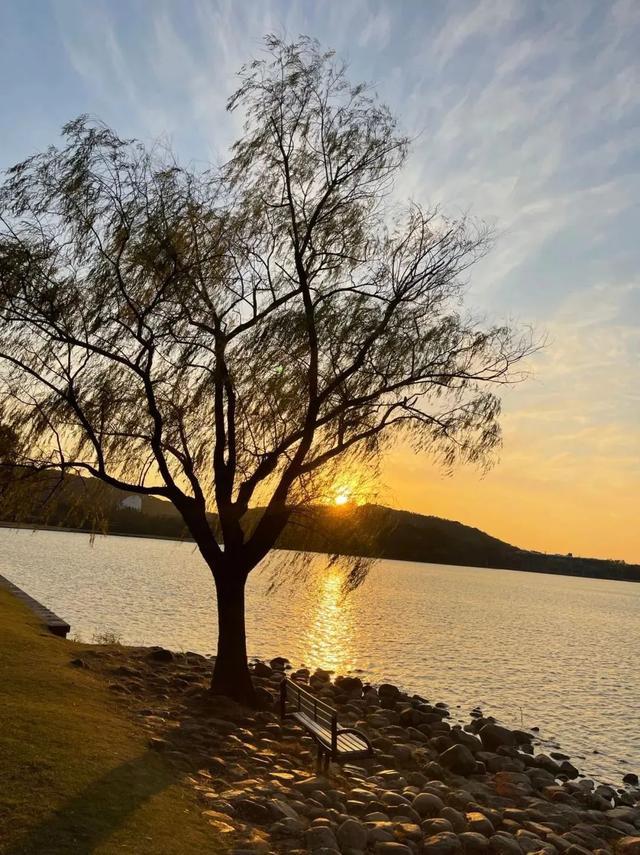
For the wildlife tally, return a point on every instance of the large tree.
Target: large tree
(227, 338)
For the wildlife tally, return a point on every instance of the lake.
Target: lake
(556, 652)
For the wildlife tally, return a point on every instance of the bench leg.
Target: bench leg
(319, 757)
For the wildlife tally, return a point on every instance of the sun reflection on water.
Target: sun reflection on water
(328, 638)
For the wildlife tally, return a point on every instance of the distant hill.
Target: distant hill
(366, 530)
(373, 530)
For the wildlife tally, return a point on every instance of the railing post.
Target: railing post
(334, 736)
(283, 697)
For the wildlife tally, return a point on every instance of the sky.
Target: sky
(525, 113)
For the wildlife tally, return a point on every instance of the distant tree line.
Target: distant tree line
(368, 531)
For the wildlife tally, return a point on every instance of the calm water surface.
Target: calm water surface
(557, 652)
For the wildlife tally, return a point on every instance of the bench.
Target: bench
(321, 723)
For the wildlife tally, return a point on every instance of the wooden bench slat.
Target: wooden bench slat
(354, 742)
(313, 726)
(347, 743)
(350, 741)
(321, 722)
(351, 754)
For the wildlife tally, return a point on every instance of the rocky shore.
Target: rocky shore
(434, 785)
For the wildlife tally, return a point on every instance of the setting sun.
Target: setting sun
(342, 498)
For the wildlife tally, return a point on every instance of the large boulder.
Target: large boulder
(351, 686)
(310, 785)
(321, 676)
(159, 654)
(283, 810)
(436, 825)
(427, 804)
(472, 841)
(567, 768)
(390, 848)
(458, 759)
(500, 762)
(540, 778)
(265, 700)
(547, 763)
(320, 837)
(479, 823)
(459, 735)
(434, 771)
(379, 831)
(494, 736)
(252, 810)
(261, 669)
(351, 835)
(455, 817)
(287, 827)
(386, 690)
(402, 752)
(504, 844)
(445, 843)
(522, 737)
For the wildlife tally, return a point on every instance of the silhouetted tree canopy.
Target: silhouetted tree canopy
(239, 335)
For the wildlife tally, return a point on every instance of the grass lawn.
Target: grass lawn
(76, 774)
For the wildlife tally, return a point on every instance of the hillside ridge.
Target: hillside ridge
(367, 530)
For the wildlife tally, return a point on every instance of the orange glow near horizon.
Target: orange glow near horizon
(554, 503)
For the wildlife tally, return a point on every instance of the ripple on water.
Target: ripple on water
(552, 651)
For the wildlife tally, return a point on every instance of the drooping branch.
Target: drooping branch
(226, 338)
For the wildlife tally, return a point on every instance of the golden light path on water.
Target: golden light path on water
(557, 652)
(328, 637)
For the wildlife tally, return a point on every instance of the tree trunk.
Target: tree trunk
(231, 675)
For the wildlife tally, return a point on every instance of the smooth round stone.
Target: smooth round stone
(500, 844)
(458, 759)
(493, 736)
(445, 843)
(377, 816)
(391, 798)
(427, 804)
(455, 817)
(351, 835)
(473, 842)
(478, 822)
(392, 849)
(321, 837)
(436, 826)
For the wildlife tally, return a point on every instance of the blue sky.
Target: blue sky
(525, 112)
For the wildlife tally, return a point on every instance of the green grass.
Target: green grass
(76, 774)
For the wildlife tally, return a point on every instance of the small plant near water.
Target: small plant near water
(106, 637)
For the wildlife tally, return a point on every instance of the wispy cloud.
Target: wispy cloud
(524, 113)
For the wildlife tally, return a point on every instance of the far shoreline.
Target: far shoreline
(68, 530)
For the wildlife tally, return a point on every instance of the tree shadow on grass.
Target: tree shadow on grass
(94, 814)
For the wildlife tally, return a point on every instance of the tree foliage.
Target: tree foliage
(233, 336)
